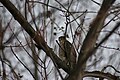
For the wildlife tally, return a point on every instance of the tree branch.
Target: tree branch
(34, 35)
(99, 74)
(95, 28)
(90, 40)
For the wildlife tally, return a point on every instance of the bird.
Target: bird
(67, 52)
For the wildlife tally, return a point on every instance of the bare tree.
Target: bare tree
(46, 21)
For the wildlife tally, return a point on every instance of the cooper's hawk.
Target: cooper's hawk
(67, 52)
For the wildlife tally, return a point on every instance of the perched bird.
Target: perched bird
(67, 52)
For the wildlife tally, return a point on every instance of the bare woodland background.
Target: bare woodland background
(92, 27)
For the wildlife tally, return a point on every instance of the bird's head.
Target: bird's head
(62, 39)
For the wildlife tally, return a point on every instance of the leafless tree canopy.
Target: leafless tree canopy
(30, 45)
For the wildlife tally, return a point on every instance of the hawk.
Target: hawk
(67, 52)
